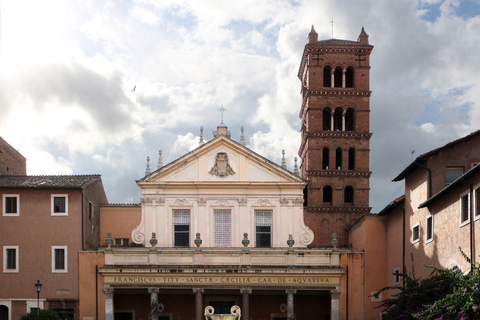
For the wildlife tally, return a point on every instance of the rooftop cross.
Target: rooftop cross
(332, 22)
(222, 109)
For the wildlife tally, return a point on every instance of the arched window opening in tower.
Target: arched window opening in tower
(327, 76)
(327, 119)
(338, 159)
(349, 77)
(348, 195)
(327, 195)
(349, 120)
(351, 159)
(325, 158)
(338, 77)
(338, 120)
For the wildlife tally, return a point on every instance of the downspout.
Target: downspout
(470, 215)
(347, 293)
(429, 178)
(403, 236)
(83, 222)
(96, 291)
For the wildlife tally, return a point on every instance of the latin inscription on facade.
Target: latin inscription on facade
(311, 281)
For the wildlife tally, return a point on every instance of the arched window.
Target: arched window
(3, 312)
(348, 195)
(349, 120)
(349, 77)
(338, 77)
(351, 159)
(327, 119)
(327, 76)
(327, 195)
(325, 158)
(338, 159)
(337, 119)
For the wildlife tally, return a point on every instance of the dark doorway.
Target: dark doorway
(3, 313)
(123, 315)
(222, 307)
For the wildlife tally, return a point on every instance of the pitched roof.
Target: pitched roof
(452, 185)
(422, 159)
(234, 143)
(47, 182)
(337, 42)
(392, 205)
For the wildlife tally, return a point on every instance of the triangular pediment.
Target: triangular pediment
(222, 160)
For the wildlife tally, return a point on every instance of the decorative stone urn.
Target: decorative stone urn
(235, 314)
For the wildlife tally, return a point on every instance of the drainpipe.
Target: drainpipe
(96, 291)
(83, 221)
(472, 229)
(403, 236)
(429, 178)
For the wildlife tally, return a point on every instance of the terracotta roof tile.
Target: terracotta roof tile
(47, 182)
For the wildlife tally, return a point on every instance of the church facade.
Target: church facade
(223, 226)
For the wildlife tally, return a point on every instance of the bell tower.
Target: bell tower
(335, 119)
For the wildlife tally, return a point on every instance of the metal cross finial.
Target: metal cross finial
(332, 22)
(222, 109)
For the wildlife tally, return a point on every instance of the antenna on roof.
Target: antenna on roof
(332, 22)
(411, 155)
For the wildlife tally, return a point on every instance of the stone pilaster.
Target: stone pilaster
(153, 303)
(335, 304)
(290, 309)
(198, 303)
(109, 311)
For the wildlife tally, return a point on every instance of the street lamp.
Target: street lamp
(38, 288)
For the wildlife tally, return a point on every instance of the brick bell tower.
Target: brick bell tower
(335, 117)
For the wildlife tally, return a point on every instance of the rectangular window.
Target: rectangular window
(181, 228)
(11, 205)
(477, 202)
(222, 228)
(464, 210)
(10, 259)
(453, 174)
(263, 228)
(59, 259)
(396, 276)
(59, 204)
(416, 233)
(122, 242)
(429, 229)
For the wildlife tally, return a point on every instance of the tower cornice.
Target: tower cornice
(332, 134)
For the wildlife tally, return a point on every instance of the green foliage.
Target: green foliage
(445, 294)
(464, 300)
(415, 294)
(44, 315)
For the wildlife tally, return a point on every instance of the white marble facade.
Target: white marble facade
(222, 174)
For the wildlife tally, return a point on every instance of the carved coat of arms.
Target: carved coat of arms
(221, 167)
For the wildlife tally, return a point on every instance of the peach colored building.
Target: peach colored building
(223, 226)
(438, 213)
(46, 221)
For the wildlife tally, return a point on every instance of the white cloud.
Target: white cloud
(70, 68)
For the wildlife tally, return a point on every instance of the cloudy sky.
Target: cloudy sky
(67, 70)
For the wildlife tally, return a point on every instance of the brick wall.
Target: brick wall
(11, 161)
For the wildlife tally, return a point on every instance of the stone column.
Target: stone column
(343, 78)
(198, 303)
(246, 303)
(332, 121)
(333, 78)
(109, 311)
(153, 303)
(335, 304)
(290, 310)
(343, 120)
